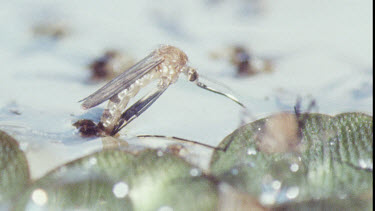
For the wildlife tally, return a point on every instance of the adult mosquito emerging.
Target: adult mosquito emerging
(165, 65)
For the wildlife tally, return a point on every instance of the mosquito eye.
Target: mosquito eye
(193, 76)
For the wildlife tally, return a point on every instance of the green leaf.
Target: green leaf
(333, 161)
(14, 170)
(149, 180)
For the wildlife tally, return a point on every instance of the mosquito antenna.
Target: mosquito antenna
(204, 86)
(181, 140)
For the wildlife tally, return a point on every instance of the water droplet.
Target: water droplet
(93, 161)
(362, 163)
(294, 167)
(160, 153)
(234, 171)
(267, 198)
(365, 163)
(251, 164)
(251, 151)
(39, 196)
(292, 192)
(120, 189)
(195, 172)
(276, 184)
(165, 208)
(342, 196)
(267, 178)
(23, 146)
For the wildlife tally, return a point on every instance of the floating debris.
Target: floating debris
(246, 64)
(88, 128)
(15, 111)
(52, 29)
(110, 65)
(177, 149)
(282, 132)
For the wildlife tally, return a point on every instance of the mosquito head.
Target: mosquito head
(192, 74)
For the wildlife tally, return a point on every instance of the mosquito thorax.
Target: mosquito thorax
(174, 62)
(172, 55)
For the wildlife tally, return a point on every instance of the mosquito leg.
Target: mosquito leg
(180, 139)
(138, 108)
(113, 111)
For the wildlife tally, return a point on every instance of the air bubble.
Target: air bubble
(234, 171)
(294, 167)
(39, 196)
(160, 153)
(93, 161)
(276, 184)
(23, 146)
(251, 151)
(267, 198)
(292, 192)
(195, 172)
(165, 208)
(120, 190)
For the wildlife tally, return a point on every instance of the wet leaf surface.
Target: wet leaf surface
(332, 168)
(14, 170)
(118, 180)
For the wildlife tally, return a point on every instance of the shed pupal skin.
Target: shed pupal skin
(167, 73)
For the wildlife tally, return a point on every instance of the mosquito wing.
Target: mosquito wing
(138, 108)
(122, 81)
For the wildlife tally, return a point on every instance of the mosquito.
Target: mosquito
(164, 64)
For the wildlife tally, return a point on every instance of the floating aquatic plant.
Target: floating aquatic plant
(332, 168)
